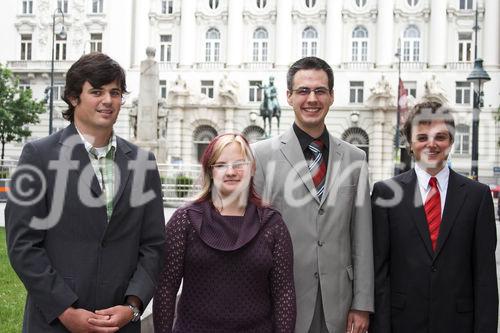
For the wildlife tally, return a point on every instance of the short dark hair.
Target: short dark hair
(425, 113)
(309, 63)
(96, 68)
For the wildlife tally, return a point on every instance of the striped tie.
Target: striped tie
(433, 211)
(317, 166)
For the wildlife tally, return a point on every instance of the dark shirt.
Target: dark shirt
(236, 277)
(305, 139)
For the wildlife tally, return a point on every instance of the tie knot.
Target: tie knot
(316, 145)
(433, 182)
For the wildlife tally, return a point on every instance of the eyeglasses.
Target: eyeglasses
(237, 166)
(304, 91)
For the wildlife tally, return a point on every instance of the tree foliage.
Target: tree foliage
(17, 109)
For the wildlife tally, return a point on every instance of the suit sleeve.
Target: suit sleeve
(485, 276)
(151, 247)
(25, 245)
(362, 244)
(381, 320)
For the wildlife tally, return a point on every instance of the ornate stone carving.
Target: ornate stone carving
(381, 95)
(434, 92)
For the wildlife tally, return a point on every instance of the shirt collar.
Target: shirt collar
(305, 139)
(88, 145)
(423, 177)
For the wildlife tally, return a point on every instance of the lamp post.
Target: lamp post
(62, 35)
(397, 166)
(478, 77)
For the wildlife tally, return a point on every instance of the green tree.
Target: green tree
(17, 109)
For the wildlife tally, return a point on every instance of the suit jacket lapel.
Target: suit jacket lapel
(413, 202)
(290, 148)
(455, 197)
(122, 161)
(335, 156)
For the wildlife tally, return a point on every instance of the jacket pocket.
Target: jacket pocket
(398, 301)
(465, 305)
(350, 272)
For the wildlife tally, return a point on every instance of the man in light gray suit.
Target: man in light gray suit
(320, 185)
(84, 219)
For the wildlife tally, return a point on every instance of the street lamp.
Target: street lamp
(478, 77)
(62, 35)
(397, 166)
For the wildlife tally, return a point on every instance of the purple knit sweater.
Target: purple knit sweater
(237, 273)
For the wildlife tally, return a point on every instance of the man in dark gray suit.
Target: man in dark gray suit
(320, 185)
(84, 219)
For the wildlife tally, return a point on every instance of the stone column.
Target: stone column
(333, 35)
(437, 35)
(385, 28)
(283, 33)
(229, 117)
(491, 33)
(234, 33)
(377, 145)
(188, 33)
(147, 114)
(140, 31)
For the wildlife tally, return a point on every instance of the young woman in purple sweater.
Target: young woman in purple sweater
(232, 253)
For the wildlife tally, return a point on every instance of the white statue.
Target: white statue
(434, 91)
(228, 90)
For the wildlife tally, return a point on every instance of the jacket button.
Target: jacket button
(434, 269)
(321, 211)
(316, 275)
(320, 243)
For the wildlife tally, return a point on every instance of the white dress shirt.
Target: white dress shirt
(442, 177)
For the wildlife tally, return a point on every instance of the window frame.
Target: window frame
(95, 43)
(462, 140)
(356, 92)
(260, 45)
(359, 43)
(254, 91)
(63, 5)
(26, 49)
(464, 47)
(97, 6)
(309, 44)
(463, 93)
(411, 45)
(166, 47)
(207, 88)
(27, 7)
(212, 45)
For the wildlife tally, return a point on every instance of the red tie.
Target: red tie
(433, 211)
(317, 166)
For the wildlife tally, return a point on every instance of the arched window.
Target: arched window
(359, 44)
(360, 3)
(411, 44)
(213, 4)
(462, 139)
(412, 3)
(212, 45)
(261, 3)
(309, 42)
(260, 42)
(202, 136)
(357, 137)
(310, 3)
(253, 133)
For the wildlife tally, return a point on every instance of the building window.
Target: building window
(207, 88)
(309, 42)
(360, 3)
(60, 48)
(310, 3)
(167, 6)
(359, 44)
(58, 91)
(410, 88)
(356, 92)
(464, 46)
(27, 6)
(261, 3)
(24, 86)
(163, 89)
(462, 139)
(95, 42)
(411, 44)
(212, 45)
(63, 5)
(213, 4)
(466, 4)
(201, 137)
(463, 93)
(254, 91)
(357, 137)
(260, 40)
(26, 47)
(97, 6)
(166, 48)
(412, 3)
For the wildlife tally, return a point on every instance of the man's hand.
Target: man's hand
(78, 321)
(357, 321)
(116, 316)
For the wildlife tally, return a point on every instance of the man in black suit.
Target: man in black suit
(84, 219)
(434, 240)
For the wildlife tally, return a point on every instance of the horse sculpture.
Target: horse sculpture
(270, 107)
